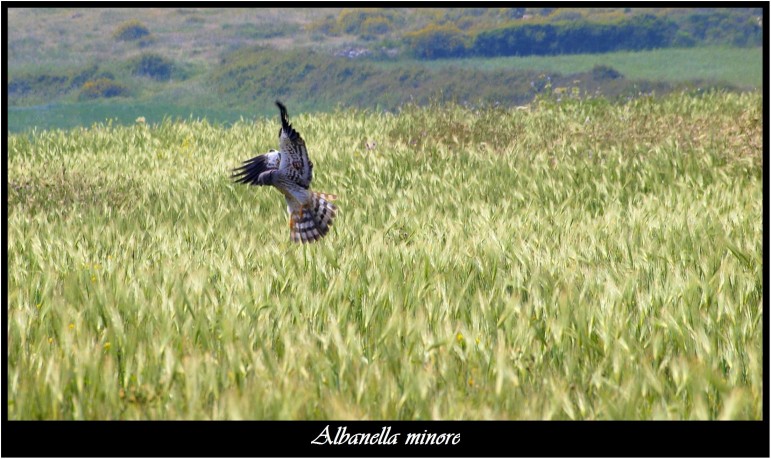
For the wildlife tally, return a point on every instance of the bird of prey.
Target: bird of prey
(290, 170)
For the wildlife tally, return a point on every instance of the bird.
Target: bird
(290, 170)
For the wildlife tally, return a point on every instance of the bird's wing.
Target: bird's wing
(297, 166)
(252, 168)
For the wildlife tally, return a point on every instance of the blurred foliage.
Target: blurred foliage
(131, 30)
(573, 37)
(579, 30)
(52, 84)
(377, 44)
(157, 67)
(356, 20)
(604, 72)
(327, 26)
(265, 30)
(723, 26)
(24, 85)
(311, 80)
(436, 42)
(376, 26)
(103, 87)
(458, 32)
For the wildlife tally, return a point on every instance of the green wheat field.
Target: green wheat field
(571, 260)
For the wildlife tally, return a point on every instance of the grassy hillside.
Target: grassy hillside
(742, 67)
(574, 260)
(73, 66)
(78, 36)
(246, 81)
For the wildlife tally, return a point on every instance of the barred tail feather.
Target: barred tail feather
(313, 220)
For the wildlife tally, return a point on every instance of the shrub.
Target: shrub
(350, 20)
(376, 26)
(130, 31)
(30, 84)
(736, 27)
(435, 42)
(353, 20)
(45, 86)
(604, 72)
(683, 39)
(80, 78)
(102, 87)
(153, 66)
(643, 31)
(326, 25)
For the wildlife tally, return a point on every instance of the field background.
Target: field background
(556, 236)
(576, 260)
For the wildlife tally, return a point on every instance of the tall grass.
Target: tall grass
(580, 260)
(74, 115)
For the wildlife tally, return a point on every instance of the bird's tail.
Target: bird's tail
(313, 220)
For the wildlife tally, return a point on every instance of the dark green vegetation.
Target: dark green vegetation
(93, 81)
(569, 32)
(572, 260)
(205, 62)
(456, 32)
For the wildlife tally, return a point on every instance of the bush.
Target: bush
(644, 31)
(45, 87)
(153, 66)
(44, 84)
(326, 26)
(736, 27)
(604, 72)
(130, 31)
(376, 26)
(350, 20)
(436, 42)
(102, 87)
(80, 78)
(353, 20)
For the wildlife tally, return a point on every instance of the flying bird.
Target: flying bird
(291, 171)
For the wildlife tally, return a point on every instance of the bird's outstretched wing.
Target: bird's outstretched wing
(291, 171)
(251, 169)
(296, 165)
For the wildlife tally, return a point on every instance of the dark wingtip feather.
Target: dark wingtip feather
(285, 126)
(284, 115)
(250, 170)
